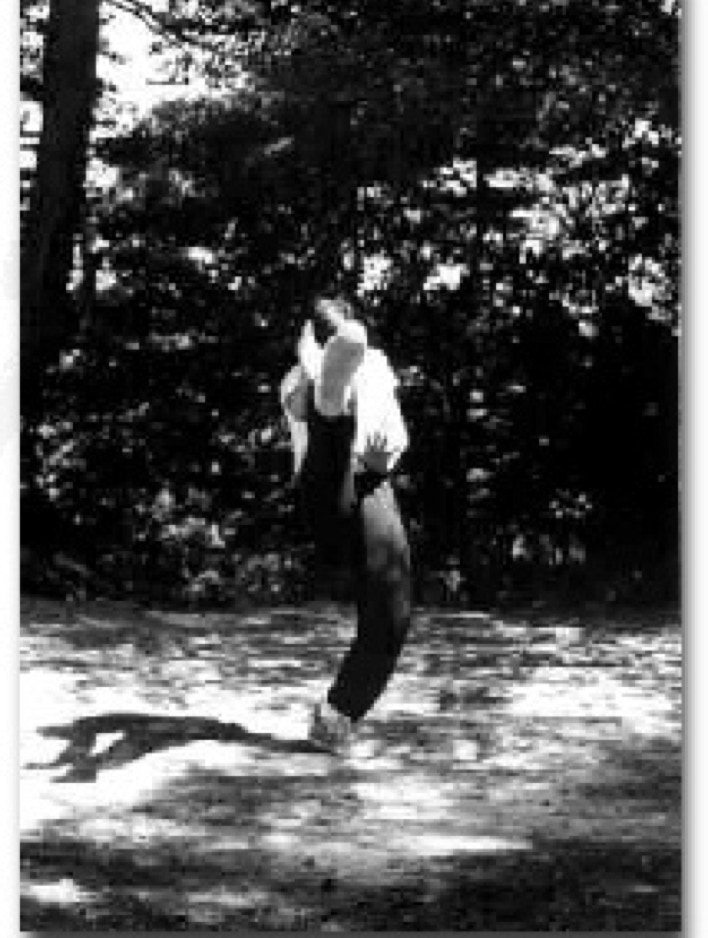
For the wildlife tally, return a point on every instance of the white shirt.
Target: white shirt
(370, 390)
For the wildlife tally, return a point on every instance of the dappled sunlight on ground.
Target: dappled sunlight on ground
(166, 779)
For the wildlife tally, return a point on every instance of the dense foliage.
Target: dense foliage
(498, 183)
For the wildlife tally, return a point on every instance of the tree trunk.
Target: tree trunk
(55, 208)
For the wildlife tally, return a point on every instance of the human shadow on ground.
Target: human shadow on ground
(583, 817)
(295, 851)
(142, 734)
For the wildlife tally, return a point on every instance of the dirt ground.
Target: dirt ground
(523, 773)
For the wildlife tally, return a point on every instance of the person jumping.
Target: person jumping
(348, 435)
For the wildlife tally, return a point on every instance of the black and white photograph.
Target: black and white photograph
(350, 345)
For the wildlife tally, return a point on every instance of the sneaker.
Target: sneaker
(330, 730)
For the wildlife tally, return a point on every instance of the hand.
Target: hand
(377, 456)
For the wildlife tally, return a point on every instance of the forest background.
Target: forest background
(499, 186)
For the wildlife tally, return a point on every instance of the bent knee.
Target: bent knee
(354, 334)
(342, 356)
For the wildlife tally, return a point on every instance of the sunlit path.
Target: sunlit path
(166, 778)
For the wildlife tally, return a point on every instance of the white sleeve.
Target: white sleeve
(395, 430)
(378, 409)
(291, 385)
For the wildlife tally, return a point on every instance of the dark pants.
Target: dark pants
(355, 522)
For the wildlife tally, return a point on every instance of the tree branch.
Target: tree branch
(175, 33)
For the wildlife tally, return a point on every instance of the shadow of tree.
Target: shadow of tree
(296, 852)
(129, 913)
(560, 886)
(572, 823)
